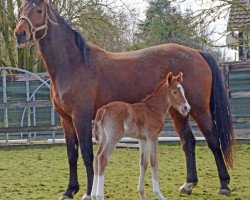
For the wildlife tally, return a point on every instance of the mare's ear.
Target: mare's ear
(169, 78)
(51, 14)
(179, 78)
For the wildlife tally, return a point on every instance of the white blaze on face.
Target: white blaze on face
(183, 94)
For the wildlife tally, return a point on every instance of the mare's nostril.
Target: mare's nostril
(185, 108)
(21, 36)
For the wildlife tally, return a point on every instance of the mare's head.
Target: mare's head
(175, 93)
(33, 22)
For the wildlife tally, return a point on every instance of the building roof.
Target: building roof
(239, 17)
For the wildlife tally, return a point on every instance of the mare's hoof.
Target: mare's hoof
(86, 197)
(187, 188)
(183, 190)
(226, 192)
(64, 197)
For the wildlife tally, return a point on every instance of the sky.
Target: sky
(219, 26)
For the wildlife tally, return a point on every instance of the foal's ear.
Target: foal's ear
(169, 78)
(179, 78)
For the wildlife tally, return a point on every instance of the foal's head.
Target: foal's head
(33, 22)
(175, 93)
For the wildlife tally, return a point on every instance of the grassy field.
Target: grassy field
(28, 173)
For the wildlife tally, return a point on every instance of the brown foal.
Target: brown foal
(144, 121)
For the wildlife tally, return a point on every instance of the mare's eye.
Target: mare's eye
(174, 92)
(39, 11)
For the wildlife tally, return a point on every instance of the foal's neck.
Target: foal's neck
(158, 101)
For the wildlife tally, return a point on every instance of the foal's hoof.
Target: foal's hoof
(226, 192)
(187, 188)
(86, 197)
(64, 197)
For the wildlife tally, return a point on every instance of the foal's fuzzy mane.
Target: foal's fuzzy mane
(79, 39)
(160, 86)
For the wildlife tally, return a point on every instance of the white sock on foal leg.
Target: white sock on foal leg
(94, 187)
(156, 190)
(100, 188)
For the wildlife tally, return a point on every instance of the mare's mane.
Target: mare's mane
(79, 39)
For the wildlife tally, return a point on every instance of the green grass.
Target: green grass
(28, 173)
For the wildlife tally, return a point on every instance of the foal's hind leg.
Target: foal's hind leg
(95, 181)
(205, 124)
(143, 168)
(103, 159)
(188, 142)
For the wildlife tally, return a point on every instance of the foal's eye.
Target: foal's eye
(39, 11)
(174, 92)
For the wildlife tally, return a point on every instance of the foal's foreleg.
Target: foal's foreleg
(153, 144)
(143, 168)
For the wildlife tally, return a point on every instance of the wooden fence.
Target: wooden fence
(237, 81)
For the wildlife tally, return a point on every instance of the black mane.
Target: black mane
(79, 39)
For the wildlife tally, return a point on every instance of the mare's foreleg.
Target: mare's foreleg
(143, 168)
(153, 144)
(72, 151)
(188, 142)
(83, 126)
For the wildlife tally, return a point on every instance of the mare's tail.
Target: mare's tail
(98, 122)
(220, 111)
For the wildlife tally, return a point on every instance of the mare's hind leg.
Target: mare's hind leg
(143, 168)
(205, 124)
(188, 142)
(72, 151)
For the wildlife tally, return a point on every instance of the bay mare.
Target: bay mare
(143, 121)
(85, 77)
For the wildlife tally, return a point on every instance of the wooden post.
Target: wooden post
(5, 99)
(225, 71)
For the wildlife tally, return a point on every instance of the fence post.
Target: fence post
(53, 123)
(34, 115)
(225, 71)
(5, 99)
(27, 99)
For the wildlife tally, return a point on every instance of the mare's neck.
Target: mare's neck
(158, 102)
(59, 50)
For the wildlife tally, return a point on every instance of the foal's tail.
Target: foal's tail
(220, 111)
(98, 122)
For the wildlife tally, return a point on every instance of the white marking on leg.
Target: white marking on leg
(86, 197)
(100, 188)
(187, 187)
(154, 165)
(94, 187)
(143, 168)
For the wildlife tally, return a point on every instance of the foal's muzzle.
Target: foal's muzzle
(185, 109)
